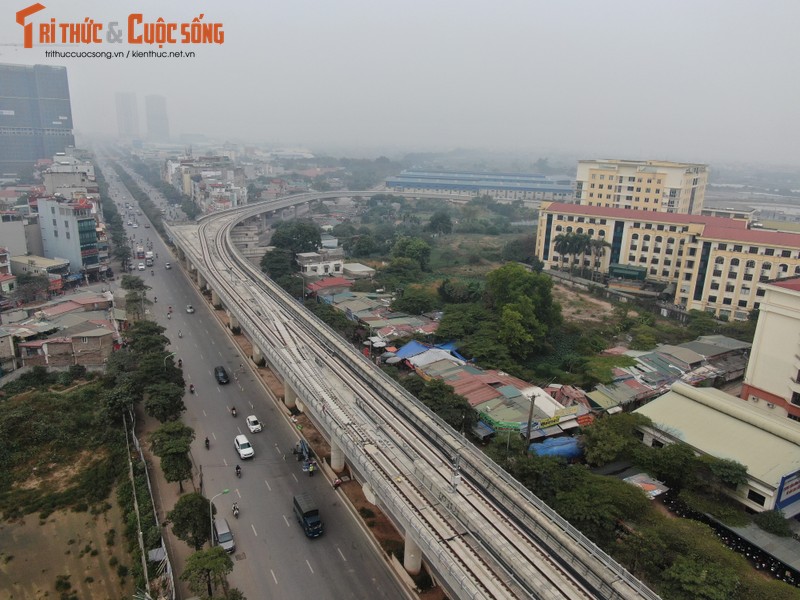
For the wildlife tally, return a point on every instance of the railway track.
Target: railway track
(484, 534)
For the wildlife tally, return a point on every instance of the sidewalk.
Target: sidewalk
(165, 495)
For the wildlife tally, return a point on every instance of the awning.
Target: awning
(482, 430)
(73, 277)
(614, 410)
(571, 424)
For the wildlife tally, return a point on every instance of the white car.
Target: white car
(141, 266)
(243, 447)
(253, 424)
(189, 308)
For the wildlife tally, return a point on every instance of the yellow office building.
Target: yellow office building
(652, 185)
(715, 263)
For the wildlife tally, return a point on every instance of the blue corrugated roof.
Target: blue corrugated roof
(412, 348)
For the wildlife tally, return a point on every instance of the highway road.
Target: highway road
(273, 558)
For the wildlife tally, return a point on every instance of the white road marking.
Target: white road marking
(309, 566)
(254, 530)
(339, 550)
(287, 521)
(275, 579)
(267, 484)
(238, 493)
(225, 461)
(295, 478)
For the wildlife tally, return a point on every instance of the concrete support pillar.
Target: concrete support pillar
(257, 354)
(298, 404)
(214, 298)
(233, 322)
(368, 493)
(289, 396)
(337, 456)
(201, 281)
(412, 556)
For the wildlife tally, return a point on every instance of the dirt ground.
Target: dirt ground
(581, 307)
(35, 554)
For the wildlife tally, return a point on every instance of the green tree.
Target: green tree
(416, 300)
(400, 271)
(171, 443)
(278, 263)
(612, 436)
(364, 245)
(413, 248)
(297, 236)
(207, 569)
(164, 401)
(440, 222)
(692, 578)
(31, 288)
(190, 520)
(451, 407)
(521, 250)
(145, 337)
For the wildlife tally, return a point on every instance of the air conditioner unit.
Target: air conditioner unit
(755, 400)
(770, 405)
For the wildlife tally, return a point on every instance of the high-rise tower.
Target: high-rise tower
(35, 115)
(127, 115)
(157, 120)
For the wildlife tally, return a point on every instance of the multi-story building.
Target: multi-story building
(507, 187)
(157, 120)
(772, 379)
(715, 263)
(35, 115)
(127, 115)
(69, 231)
(651, 185)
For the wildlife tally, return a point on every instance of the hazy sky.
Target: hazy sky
(684, 80)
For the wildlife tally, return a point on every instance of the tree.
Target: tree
(171, 443)
(297, 236)
(692, 578)
(413, 248)
(133, 283)
(402, 270)
(164, 401)
(454, 291)
(207, 569)
(145, 337)
(440, 222)
(278, 263)
(521, 250)
(449, 406)
(364, 245)
(608, 438)
(597, 248)
(190, 520)
(31, 288)
(416, 300)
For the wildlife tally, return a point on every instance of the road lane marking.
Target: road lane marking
(225, 461)
(309, 567)
(204, 413)
(339, 550)
(267, 484)
(214, 436)
(275, 579)
(254, 530)
(238, 493)
(287, 521)
(295, 478)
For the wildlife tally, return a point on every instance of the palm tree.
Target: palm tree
(598, 249)
(579, 245)
(562, 244)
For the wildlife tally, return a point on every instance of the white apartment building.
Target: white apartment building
(650, 185)
(772, 379)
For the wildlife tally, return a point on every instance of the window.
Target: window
(734, 262)
(796, 398)
(742, 303)
(53, 210)
(55, 223)
(719, 260)
(55, 234)
(754, 496)
(714, 285)
(786, 253)
(737, 248)
(766, 266)
(712, 299)
(68, 235)
(753, 250)
(84, 340)
(750, 264)
(657, 444)
(769, 251)
(66, 223)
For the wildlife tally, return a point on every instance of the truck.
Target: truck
(149, 254)
(148, 262)
(307, 513)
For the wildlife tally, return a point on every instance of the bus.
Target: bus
(140, 252)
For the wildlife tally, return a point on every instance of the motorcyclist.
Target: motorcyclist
(233, 411)
(155, 298)
(235, 509)
(208, 444)
(238, 471)
(191, 388)
(152, 272)
(180, 362)
(180, 333)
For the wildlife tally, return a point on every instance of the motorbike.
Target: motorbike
(180, 363)
(238, 471)
(191, 388)
(208, 444)
(152, 272)
(180, 333)
(233, 411)
(311, 468)
(235, 510)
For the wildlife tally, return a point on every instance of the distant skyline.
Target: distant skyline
(678, 80)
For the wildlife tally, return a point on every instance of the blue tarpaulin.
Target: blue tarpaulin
(565, 447)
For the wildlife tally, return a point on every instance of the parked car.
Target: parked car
(221, 375)
(253, 424)
(243, 447)
(223, 535)
(189, 308)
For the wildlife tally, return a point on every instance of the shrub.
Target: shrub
(773, 521)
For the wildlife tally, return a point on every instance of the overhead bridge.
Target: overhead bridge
(480, 532)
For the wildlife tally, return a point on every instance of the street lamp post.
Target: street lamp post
(165, 359)
(211, 515)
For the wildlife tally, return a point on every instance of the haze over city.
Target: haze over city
(677, 80)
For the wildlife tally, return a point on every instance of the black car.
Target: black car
(221, 375)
